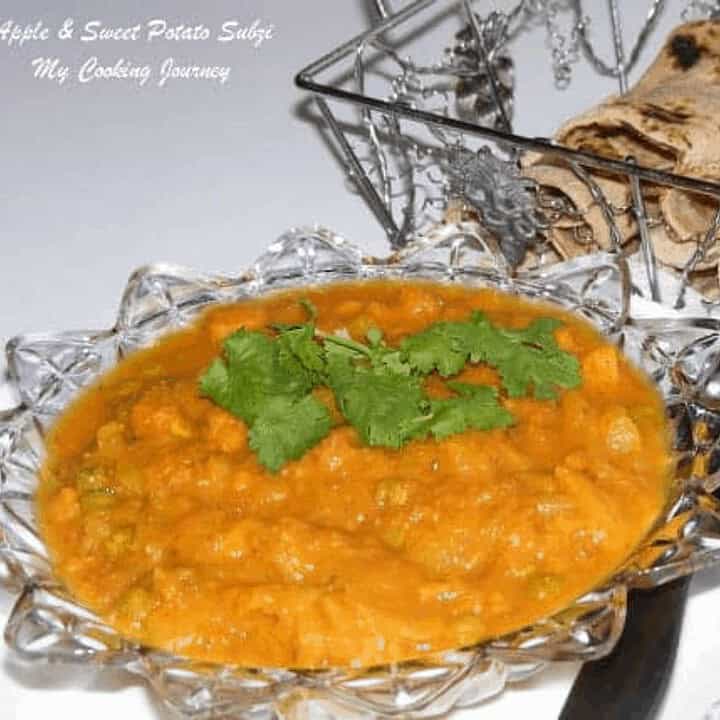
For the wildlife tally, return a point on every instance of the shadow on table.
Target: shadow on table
(38, 676)
(554, 679)
(704, 580)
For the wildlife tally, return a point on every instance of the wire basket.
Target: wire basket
(423, 108)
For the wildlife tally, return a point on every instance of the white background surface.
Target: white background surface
(98, 179)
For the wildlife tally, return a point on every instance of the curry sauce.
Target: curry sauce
(159, 517)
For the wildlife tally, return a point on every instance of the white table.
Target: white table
(99, 178)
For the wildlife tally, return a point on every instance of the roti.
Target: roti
(669, 121)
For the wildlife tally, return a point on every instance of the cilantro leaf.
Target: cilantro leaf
(525, 357)
(476, 407)
(532, 357)
(267, 381)
(447, 346)
(259, 368)
(477, 335)
(286, 429)
(298, 342)
(249, 348)
(216, 384)
(436, 348)
(309, 307)
(227, 383)
(375, 390)
(374, 336)
(385, 359)
(385, 409)
(390, 362)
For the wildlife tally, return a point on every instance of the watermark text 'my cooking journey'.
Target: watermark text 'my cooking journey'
(157, 31)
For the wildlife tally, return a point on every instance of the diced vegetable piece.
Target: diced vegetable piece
(621, 435)
(92, 479)
(94, 500)
(392, 492)
(137, 604)
(120, 542)
(65, 505)
(544, 585)
(129, 478)
(111, 438)
(600, 369)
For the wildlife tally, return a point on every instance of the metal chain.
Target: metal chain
(564, 48)
(582, 24)
(565, 45)
(701, 8)
(565, 51)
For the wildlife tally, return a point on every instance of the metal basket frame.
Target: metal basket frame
(580, 162)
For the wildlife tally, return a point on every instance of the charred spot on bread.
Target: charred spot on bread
(664, 114)
(685, 51)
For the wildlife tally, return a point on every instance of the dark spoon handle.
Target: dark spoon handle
(630, 683)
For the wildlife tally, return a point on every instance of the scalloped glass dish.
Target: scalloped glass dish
(682, 355)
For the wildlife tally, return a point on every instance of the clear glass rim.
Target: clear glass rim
(315, 256)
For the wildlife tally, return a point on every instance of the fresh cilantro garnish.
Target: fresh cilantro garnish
(477, 407)
(267, 380)
(299, 344)
(377, 354)
(259, 368)
(385, 408)
(525, 357)
(374, 389)
(286, 429)
(533, 357)
(309, 307)
(441, 347)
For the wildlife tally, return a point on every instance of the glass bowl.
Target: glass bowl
(682, 355)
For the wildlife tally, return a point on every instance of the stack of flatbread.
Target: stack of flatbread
(670, 120)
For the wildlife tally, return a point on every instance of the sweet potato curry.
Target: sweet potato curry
(395, 469)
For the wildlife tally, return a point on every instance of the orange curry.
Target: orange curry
(160, 518)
